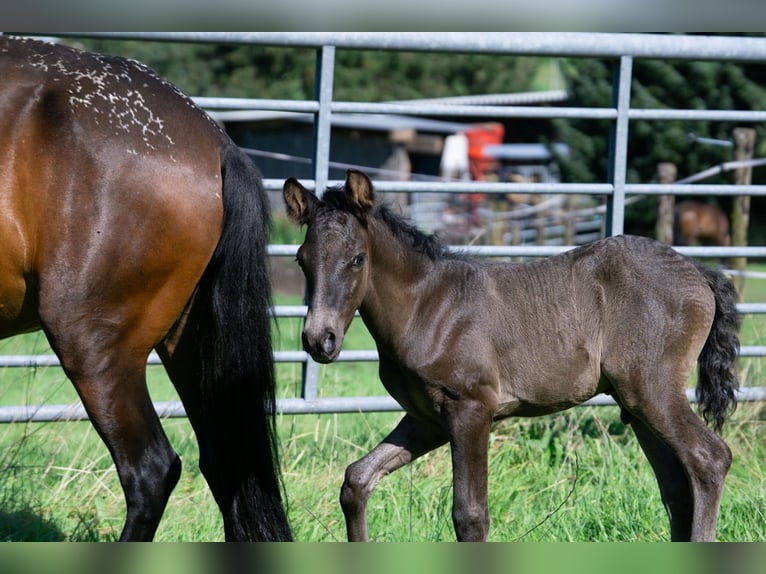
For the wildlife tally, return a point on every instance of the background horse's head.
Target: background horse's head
(333, 257)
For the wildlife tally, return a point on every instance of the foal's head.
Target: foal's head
(333, 257)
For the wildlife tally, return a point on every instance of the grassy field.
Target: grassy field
(575, 476)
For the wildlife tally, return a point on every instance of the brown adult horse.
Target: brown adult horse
(129, 222)
(700, 223)
(464, 342)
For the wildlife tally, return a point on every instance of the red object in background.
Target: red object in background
(479, 163)
(479, 136)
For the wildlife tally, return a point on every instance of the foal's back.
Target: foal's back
(566, 328)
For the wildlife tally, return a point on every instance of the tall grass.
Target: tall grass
(574, 476)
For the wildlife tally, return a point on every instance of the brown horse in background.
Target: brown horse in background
(131, 222)
(464, 342)
(698, 223)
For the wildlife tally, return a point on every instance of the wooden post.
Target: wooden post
(744, 142)
(666, 173)
(569, 214)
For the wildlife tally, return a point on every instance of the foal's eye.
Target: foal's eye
(359, 260)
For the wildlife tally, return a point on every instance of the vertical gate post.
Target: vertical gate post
(618, 147)
(325, 72)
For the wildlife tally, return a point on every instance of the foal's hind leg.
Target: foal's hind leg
(110, 377)
(409, 440)
(690, 463)
(689, 460)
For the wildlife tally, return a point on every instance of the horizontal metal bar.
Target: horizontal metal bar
(751, 308)
(547, 188)
(261, 104)
(713, 251)
(693, 189)
(583, 44)
(413, 108)
(698, 115)
(287, 250)
(744, 395)
(472, 110)
(548, 250)
(337, 405)
(282, 250)
(308, 107)
(174, 409)
(35, 361)
(352, 356)
(752, 351)
(289, 311)
(343, 357)
(414, 186)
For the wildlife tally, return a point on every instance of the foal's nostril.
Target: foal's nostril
(322, 346)
(328, 343)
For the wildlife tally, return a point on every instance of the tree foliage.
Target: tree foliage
(289, 73)
(659, 85)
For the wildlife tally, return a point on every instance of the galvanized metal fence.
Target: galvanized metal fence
(623, 49)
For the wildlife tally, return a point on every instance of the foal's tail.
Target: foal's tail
(717, 380)
(238, 446)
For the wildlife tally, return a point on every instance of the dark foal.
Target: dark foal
(465, 342)
(131, 222)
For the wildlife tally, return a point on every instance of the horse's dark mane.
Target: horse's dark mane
(403, 230)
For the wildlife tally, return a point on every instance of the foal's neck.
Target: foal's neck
(396, 259)
(398, 273)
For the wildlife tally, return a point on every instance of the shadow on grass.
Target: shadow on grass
(26, 524)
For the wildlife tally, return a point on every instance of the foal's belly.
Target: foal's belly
(560, 386)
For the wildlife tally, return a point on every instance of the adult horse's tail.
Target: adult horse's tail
(717, 379)
(238, 450)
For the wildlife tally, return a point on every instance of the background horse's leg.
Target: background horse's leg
(469, 425)
(111, 381)
(409, 440)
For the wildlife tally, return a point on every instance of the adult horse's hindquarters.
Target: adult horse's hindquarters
(130, 221)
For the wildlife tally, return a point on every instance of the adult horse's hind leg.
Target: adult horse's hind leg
(181, 360)
(409, 440)
(111, 381)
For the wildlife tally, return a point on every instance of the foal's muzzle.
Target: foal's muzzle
(323, 347)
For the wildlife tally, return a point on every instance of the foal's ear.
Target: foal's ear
(300, 201)
(359, 192)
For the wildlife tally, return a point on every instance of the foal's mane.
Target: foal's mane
(403, 231)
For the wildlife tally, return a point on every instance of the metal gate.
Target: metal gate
(623, 49)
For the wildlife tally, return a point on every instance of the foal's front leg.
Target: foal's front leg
(469, 423)
(409, 440)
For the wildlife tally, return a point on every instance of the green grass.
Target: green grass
(575, 476)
